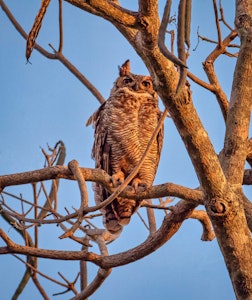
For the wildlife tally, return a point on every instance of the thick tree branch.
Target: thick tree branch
(228, 216)
(238, 120)
(100, 176)
(148, 7)
(108, 10)
(182, 111)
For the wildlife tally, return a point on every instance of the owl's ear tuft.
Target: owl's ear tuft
(124, 70)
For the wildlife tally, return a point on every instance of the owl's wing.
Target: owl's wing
(160, 136)
(101, 153)
(101, 149)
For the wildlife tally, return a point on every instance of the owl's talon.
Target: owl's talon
(139, 185)
(117, 178)
(142, 187)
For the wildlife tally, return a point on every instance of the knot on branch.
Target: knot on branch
(142, 20)
(217, 207)
(243, 23)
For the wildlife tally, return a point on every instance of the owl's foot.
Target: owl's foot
(139, 185)
(118, 178)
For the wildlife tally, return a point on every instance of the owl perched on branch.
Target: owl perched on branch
(123, 127)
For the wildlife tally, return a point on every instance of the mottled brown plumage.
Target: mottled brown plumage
(123, 127)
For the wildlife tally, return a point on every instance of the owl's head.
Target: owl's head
(133, 83)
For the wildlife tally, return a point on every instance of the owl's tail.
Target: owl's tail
(119, 213)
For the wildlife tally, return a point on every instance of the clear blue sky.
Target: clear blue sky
(42, 103)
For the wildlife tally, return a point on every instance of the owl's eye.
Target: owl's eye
(146, 84)
(127, 80)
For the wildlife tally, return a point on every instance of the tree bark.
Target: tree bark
(230, 225)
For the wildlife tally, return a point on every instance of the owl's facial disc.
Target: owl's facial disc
(139, 85)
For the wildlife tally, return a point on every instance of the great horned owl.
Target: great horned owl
(123, 127)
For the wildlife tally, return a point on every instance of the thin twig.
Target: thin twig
(161, 37)
(188, 9)
(56, 55)
(23, 282)
(209, 87)
(59, 152)
(208, 66)
(146, 204)
(102, 274)
(39, 287)
(40, 273)
(217, 23)
(151, 218)
(143, 221)
(181, 30)
(201, 215)
(223, 18)
(71, 285)
(28, 241)
(74, 167)
(183, 37)
(83, 267)
(169, 227)
(60, 28)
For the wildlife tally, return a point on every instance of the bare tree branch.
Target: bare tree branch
(169, 227)
(217, 23)
(102, 274)
(182, 32)
(100, 176)
(74, 167)
(56, 55)
(238, 119)
(161, 37)
(151, 218)
(108, 10)
(208, 233)
(60, 27)
(200, 82)
(31, 39)
(209, 69)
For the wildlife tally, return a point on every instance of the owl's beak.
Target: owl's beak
(135, 87)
